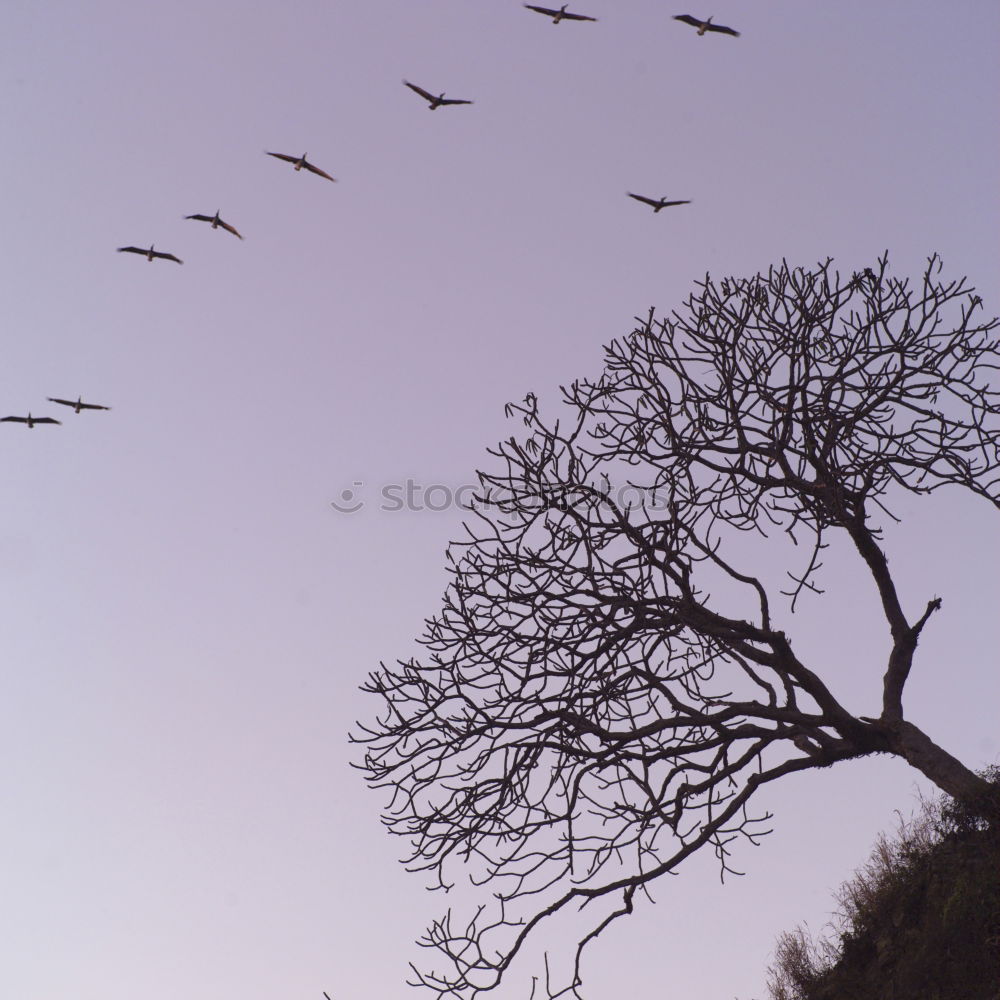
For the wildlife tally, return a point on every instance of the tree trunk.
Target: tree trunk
(947, 772)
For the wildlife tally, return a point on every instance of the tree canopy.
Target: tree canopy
(606, 685)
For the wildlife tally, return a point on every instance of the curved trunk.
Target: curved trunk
(947, 772)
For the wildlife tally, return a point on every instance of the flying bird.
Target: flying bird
(30, 420)
(559, 15)
(216, 222)
(656, 204)
(150, 253)
(704, 26)
(433, 102)
(78, 405)
(300, 162)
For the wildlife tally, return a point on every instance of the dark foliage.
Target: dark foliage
(920, 919)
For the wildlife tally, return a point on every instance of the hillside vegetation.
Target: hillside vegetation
(919, 921)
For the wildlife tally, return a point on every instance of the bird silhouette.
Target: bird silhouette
(656, 204)
(433, 102)
(78, 405)
(704, 26)
(559, 15)
(300, 162)
(150, 253)
(30, 420)
(215, 221)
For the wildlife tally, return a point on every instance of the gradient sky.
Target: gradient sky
(186, 620)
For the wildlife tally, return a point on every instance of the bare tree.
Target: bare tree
(606, 687)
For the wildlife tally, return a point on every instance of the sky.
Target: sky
(186, 618)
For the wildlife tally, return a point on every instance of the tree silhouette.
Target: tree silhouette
(606, 686)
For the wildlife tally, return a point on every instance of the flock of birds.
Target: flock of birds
(435, 101)
(562, 14)
(78, 405)
(301, 163)
(218, 223)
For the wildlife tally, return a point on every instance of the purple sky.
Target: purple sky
(185, 618)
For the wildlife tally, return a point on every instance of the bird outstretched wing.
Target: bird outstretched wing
(215, 221)
(657, 203)
(76, 403)
(646, 201)
(559, 15)
(229, 228)
(431, 99)
(420, 90)
(703, 26)
(322, 173)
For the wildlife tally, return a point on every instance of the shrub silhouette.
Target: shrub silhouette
(921, 918)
